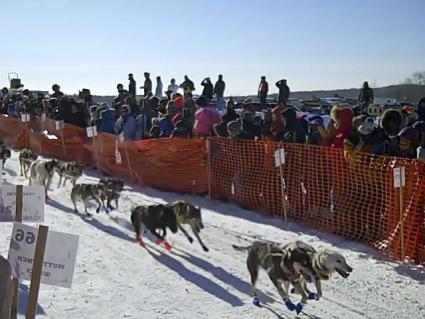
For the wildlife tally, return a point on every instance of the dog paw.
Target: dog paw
(256, 302)
(190, 239)
(289, 304)
(141, 243)
(167, 245)
(205, 249)
(110, 207)
(292, 290)
(98, 210)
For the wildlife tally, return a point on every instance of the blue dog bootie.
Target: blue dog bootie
(289, 305)
(299, 307)
(256, 301)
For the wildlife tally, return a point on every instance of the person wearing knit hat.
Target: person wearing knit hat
(205, 117)
(234, 128)
(179, 101)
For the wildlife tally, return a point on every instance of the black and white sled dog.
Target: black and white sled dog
(42, 171)
(114, 188)
(190, 215)
(283, 267)
(87, 193)
(26, 158)
(153, 218)
(71, 171)
(324, 262)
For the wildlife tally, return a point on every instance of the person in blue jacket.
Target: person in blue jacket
(106, 121)
(126, 123)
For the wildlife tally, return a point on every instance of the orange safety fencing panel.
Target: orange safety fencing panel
(173, 164)
(13, 132)
(351, 195)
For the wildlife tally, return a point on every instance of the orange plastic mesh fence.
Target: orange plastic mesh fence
(350, 194)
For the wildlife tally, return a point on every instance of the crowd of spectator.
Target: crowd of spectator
(170, 113)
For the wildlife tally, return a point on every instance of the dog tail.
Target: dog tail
(241, 248)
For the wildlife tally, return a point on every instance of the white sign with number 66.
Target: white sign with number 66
(59, 257)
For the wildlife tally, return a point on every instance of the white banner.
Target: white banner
(59, 257)
(32, 203)
(279, 157)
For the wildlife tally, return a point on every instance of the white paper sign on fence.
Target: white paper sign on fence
(59, 258)
(91, 131)
(279, 157)
(59, 125)
(25, 117)
(399, 175)
(32, 203)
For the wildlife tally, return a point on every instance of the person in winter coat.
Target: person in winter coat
(205, 117)
(219, 88)
(106, 121)
(263, 89)
(147, 87)
(165, 123)
(76, 116)
(365, 96)
(122, 94)
(294, 131)
(421, 109)
(283, 91)
(173, 87)
(187, 86)
(208, 90)
(132, 85)
(236, 131)
(126, 123)
(339, 128)
(158, 90)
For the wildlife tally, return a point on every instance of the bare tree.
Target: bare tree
(416, 78)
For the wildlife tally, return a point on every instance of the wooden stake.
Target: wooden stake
(209, 168)
(401, 218)
(63, 144)
(95, 152)
(128, 159)
(282, 190)
(15, 282)
(37, 268)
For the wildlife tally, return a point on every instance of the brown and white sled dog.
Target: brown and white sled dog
(191, 215)
(283, 267)
(71, 171)
(324, 262)
(26, 158)
(42, 171)
(87, 193)
(114, 188)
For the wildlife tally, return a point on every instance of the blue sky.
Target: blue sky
(322, 44)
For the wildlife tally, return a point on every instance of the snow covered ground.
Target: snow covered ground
(115, 278)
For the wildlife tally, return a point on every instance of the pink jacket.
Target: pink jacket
(205, 118)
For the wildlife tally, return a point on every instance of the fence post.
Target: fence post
(15, 284)
(401, 216)
(208, 144)
(282, 183)
(37, 268)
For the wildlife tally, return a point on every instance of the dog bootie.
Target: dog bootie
(141, 243)
(313, 296)
(205, 249)
(290, 305)
(98, 210)
(292, 290)
(256, 301)
(167, 245)
(299, 307)
(190, 239)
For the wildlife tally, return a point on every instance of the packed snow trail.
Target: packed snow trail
(116, 278)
